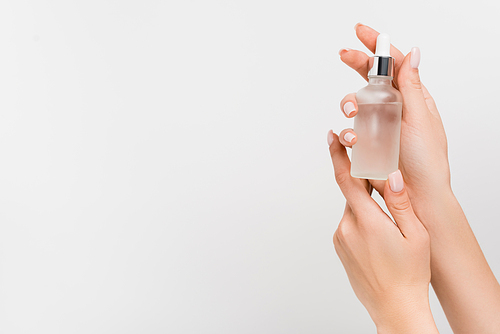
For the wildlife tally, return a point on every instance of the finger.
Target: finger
(353, 189)
(431, 104)
(411, 87)
(379, 186)
(348, 137)
(368, 36)
(399, 205)
(349, 105)
(357, 60)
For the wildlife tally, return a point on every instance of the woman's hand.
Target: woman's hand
(464, 283)
(388, 265)
(423, 149)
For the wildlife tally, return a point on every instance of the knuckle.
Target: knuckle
(401, 206)
(343, 231)
(415, 84)
(342, 177)
(335, 240)
(337, 246)
(412, 83)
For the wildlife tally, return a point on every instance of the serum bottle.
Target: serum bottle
(378, 121)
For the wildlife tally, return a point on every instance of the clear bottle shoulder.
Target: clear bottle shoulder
(378, 94)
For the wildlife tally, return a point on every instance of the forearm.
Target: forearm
(461, 277)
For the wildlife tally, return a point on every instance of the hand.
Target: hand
(464, 283)
(423, 149)
(388, 265)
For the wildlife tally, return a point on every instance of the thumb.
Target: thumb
(410, 86)
(399, 205)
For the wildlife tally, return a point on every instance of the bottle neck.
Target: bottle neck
(380, 80)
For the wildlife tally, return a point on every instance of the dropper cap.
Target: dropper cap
(382, 64)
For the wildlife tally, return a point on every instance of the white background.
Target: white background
(164, 166)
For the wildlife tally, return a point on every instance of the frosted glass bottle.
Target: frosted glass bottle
(378, 127)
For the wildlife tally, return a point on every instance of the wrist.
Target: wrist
(412, 316)
(437, 208)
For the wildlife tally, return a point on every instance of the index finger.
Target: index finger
(368, 36)
(354, 190)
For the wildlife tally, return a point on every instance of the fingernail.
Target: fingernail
(342, 50)
(349, 108)
(329, 138)
(349, 136)
(396, 181)
(357, 25)
(415, 57)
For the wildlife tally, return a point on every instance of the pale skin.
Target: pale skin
(388, 265)
(464, 283)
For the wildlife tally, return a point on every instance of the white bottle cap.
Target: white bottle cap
(383, 46)
(382, 64)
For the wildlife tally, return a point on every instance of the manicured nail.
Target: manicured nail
(349, 136)
(342, 50)
(357, 25)
(349, 108)
(396, 181)
(329, 138)
(415, 57)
